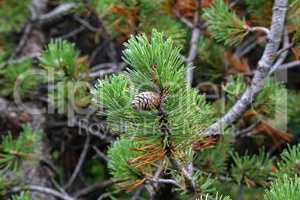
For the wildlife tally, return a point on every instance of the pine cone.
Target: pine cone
(146, 101)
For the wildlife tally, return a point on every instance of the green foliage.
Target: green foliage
(120, 154)
(268, 101)
(293, 104)
(127, 16)
(69, 94)
(251, 170)
(60, 58)
(284, 188)
(224, 25)
(171, 28)
(235, 87)
(205, 185)
(158, 67)
(22, 196)
(294, 21)
(215, 197)
(13, 14)
(188, 113)
(290, 164)
(157, 63)
(61, 61)
(211, 66)
(213, 160)
(21, 75)
(25, 147)
(261, 11)
(296, 38)
(7, 46)
(113, 94)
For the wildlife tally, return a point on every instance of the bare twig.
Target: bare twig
(193, 50)
(264, 66)
(55, 14)
(282, 53)
(111, 68)
(288, 65)
(247, 130)
(96, 131)
(44, 190)
(22, 42)
(138, 193)
(259, 29)
(165, 181)
(73, 33)
(100, 154)
(247, 46)
(93, 187)
(85, 23)
(187, 176)
(184, 20)
(80, 161)
(241, 192)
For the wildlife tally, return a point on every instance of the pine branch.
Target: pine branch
(224, 25)
(264, 66)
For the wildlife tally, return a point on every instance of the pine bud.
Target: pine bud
(146, 101)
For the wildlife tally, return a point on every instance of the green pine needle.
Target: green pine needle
(224, 25)
(21, 73)
(25, 147)
(22, 196)
(60, 59)
(256, 168)
(120, 154)
(290, 164)
(270, 98)
(285, 188)
(157, 63)
(13, 14)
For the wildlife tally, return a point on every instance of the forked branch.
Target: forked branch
(264, 66)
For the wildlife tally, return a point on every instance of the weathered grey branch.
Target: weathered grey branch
(164, 181)
(43, 190)
(288, 65)
(55, 14)
(93, 187)
(283, 53)
(106, 69)
(264, 66)
(80, 161)
(184, 20)
(196, 33)
(85, 23)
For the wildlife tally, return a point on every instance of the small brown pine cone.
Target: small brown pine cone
(146, 101)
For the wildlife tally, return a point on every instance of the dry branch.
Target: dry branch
(264, 66)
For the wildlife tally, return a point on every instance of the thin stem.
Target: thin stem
(44, 190)
(259, 29)
(80, 161)
(196, 33)
(288, 65)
